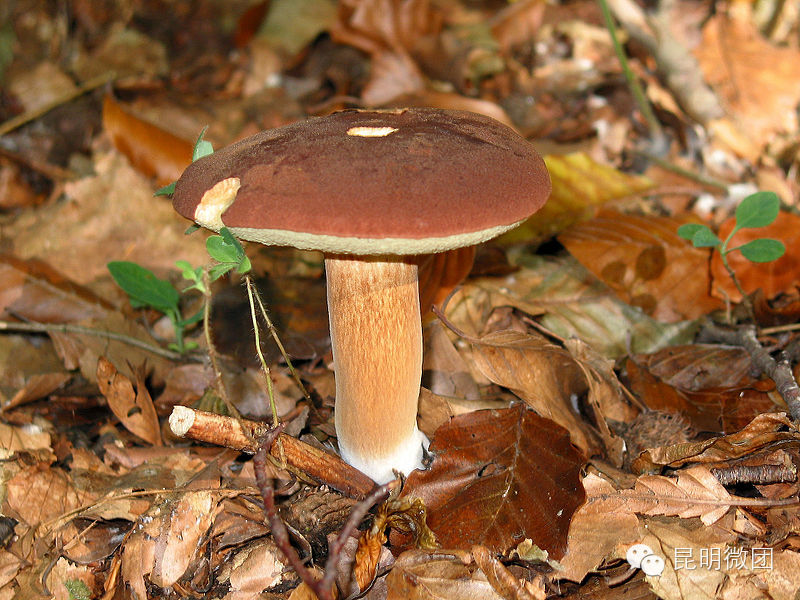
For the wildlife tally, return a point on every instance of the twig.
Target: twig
(30, 115)
(779, 371)
(755, 474)
(81, 330)
(321, 466)
(322, 588)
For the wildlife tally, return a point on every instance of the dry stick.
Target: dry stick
(779, 371)
(319, 465)
(81, 330)
(322, 588)
(276, 338)
(26, 117)
(755, 474)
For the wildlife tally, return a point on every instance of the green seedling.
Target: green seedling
(756, 210)
(144, 289)
(201, 148)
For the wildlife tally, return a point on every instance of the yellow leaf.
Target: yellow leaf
(579, 186)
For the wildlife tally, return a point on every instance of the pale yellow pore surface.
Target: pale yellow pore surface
(376, 337)
(342, 244)
(215, 202)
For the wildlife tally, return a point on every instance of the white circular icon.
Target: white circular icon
(652, 565)
(636, 553)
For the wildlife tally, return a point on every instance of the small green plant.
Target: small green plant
(144, 289)
(77, 589)
(756, 210)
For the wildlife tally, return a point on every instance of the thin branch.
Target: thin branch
(29, 116)
(779, 371)
(322, 588)
(110, 335)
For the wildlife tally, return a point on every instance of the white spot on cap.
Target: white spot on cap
(215, 202)
(371, 131)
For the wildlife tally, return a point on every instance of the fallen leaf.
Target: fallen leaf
(499, 477)
(758, 83)
(646, 263)
(597, 529)
(762, 432)
(153, 151)
(33, 290)
(167, 540)
(580, 185)
(114, 210)
(695, 492)
(417, 576)
(780, 276)
(134, 408)
(708, 384)
(539, 372)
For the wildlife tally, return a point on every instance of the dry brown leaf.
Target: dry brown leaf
(708, 384)
(167, 540)
(110, 215)
(758, 83)
(605, 395)
(22, 439)
(134, 408)
(762, 432)
(417, 576)
(645, 262)
(773, 278)
(152, 150)
(600, 526)
(445, 371)
(539, 372)
(31, 289)
(694, 493)
(501, 579)
(499, 477)
(253, 568)
(40, 494)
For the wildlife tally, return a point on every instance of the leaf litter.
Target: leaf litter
(572, 415)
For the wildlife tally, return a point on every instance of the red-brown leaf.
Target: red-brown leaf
(499, 477)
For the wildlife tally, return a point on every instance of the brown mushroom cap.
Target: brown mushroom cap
(409, 181)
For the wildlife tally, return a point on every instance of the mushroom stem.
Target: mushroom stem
(376, 337)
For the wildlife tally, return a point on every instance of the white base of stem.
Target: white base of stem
(405, 458)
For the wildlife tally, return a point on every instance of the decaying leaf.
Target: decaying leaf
(780, 276)
(758, 83)
(580, 185)
(709, 385)
(416, 576)
(134, 408)
(499, 477)
(763, 431)
(539, 372)
(645, 262)
(164, 543)
(598, 527)
(153, 151)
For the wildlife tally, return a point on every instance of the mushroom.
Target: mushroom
(372, 190)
